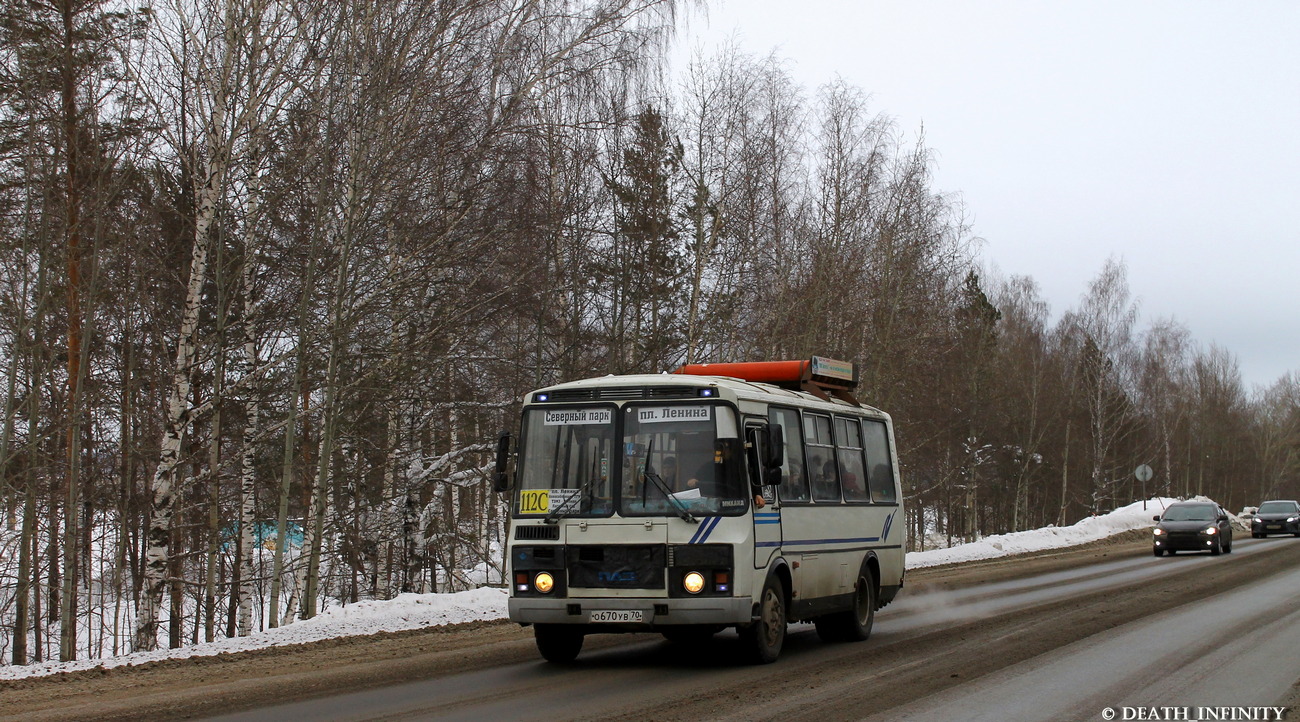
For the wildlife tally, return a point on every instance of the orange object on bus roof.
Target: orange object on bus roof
(768, 372)
(818, 375)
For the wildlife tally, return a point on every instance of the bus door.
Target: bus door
(767, 521)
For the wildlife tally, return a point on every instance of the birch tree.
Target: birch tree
(1162, 383)
(1106, 322)
(235, 59)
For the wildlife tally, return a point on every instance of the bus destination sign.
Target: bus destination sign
(674, 413)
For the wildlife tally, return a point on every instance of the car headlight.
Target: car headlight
(1256, 520)
(1158, 531)
(1210, 530)
(1292, 519)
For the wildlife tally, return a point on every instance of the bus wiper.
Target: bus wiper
(668, 494)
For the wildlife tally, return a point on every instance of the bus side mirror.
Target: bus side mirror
(501, 479)
(774, 449)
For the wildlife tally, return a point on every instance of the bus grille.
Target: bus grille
(616, 566)
(547, 532)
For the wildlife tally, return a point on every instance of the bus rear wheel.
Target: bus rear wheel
(764, 638)
(558, 643)
(852, 625)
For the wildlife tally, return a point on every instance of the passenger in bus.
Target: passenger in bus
(826, 482)
(853, 487)
(795, 487)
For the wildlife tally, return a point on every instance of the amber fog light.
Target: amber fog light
(693, 582)
(544, 582)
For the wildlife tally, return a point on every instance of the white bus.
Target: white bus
(723, 495)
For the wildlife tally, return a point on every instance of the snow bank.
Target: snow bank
(1134, 516)
(406, 611)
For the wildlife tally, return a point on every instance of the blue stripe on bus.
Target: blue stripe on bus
(698, 530)
(768, 521)
(707, 529)
(802, 542)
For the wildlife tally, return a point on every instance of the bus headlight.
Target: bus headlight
(544, 582)
(693, 582)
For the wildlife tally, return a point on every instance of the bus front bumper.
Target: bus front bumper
(654, 611)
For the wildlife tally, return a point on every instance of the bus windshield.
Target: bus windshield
(683, 457)
(566, 462)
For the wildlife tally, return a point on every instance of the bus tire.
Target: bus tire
(852, 625)
(558, 643)
(762, 640)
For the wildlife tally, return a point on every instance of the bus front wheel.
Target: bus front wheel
(764, 638)
(559, 643)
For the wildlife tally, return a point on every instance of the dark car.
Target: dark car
(1192, 526)
(1276, 517)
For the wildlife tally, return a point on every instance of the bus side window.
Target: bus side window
(848, 447)
(880, 475)
(822, 468)
(794, 480)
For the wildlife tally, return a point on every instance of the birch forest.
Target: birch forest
(274, 275)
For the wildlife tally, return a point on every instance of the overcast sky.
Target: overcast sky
(1162, 133)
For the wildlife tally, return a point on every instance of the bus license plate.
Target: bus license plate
(620, 615)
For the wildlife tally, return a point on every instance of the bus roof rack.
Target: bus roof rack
(822, 377)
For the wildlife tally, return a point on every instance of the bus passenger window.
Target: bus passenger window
(794, 479)
(880, 474)
(848, 446)
(822, 468)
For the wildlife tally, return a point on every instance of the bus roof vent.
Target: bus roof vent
(571, 395)
(819, 376)
(621, 393)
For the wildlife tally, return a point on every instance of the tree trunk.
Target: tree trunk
(1065, 477)
(24, 592)
(72, 234)
(320, 497)
(176, 596)
(6, 438)
(248, 479)
(178, 415)
(212, 558)
(286, 478)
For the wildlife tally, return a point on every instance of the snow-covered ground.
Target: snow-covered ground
(417, 611)
(1134, 516)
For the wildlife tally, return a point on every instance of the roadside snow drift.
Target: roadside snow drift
(1134, 516)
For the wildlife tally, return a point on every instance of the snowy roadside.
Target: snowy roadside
(418, 611)
(1134, 516)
